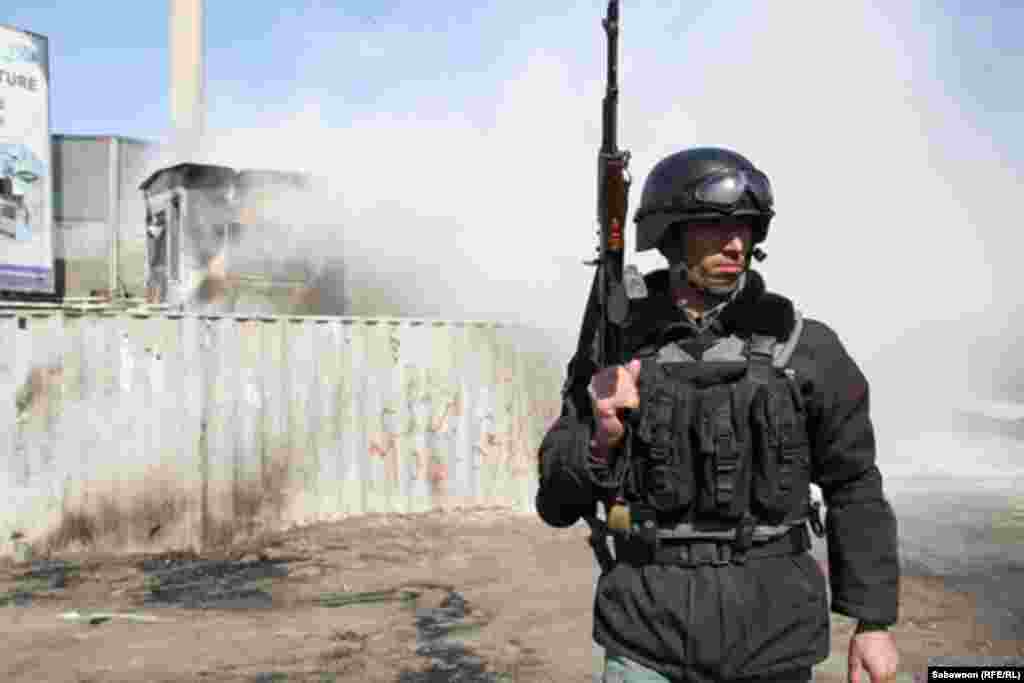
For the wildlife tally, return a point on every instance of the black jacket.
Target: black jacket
(861, 526)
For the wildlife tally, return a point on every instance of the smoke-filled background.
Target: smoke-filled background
(459, 155)
(458, 148)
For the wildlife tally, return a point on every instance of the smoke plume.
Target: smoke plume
(467, 189)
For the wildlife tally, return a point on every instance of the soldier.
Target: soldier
(732, 405)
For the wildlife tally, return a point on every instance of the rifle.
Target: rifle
(601, 341)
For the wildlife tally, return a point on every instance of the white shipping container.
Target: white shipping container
(135, 431)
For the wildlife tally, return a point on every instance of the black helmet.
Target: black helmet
(702, 183)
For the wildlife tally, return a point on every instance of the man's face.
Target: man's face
(715, 252)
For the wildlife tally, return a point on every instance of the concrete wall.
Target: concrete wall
(147, 431)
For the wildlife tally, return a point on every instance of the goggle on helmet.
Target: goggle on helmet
(734, 191)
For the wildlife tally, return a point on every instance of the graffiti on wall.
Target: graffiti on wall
(426, 416)
(432, 407)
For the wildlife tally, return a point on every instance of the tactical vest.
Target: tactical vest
(719, 447)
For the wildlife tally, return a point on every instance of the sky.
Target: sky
(459, 148)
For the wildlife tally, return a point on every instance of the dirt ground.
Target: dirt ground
(339, 602)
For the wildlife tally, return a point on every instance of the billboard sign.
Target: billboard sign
(26, 182)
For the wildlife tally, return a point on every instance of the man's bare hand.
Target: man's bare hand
(612, 390)
(873, 653)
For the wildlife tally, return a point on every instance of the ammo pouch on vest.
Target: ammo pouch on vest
(719, 451)
(781, 448)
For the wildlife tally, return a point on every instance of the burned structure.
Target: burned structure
(226, 241)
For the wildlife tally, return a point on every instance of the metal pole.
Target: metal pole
(114, 216)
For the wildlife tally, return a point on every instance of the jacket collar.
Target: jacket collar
(752, 310)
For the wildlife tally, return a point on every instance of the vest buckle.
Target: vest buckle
(645, 521)
(744, 538)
